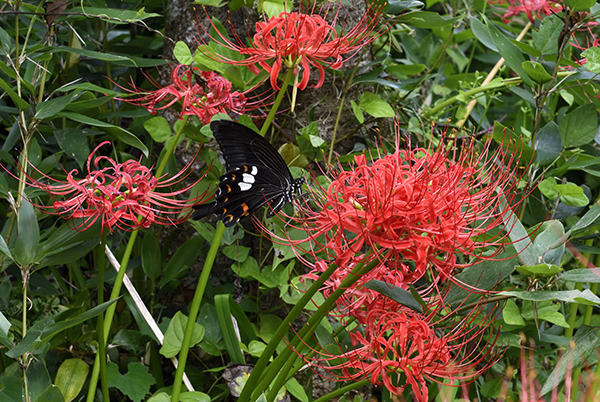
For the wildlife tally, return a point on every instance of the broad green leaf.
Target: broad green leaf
(158, 127)
(294, 388)
(586, 340)
(256, 348)
(38, 380)
(592, 56)
(579, 126)
(548, 144)
(548, 245)
(246, 328)
(70, 377)
(74, 144)
(358, 113)
(536, 71)
(151, 255)
(160, 397)
(483, 34)
(395, 293)
(4, 325)
(64, 240)
(50, 394)
(193, 396)
(375, 106)
(511, 53)
(273, 8)
(511, 313)
(182, 260)
(545, 38)
(51, 107)
(236, 253)
(174, 335)
(182, 53)
(587, 220)
(572, 195)
(230, 337)
(135, 383)
(579, 5)
(569, 296)
(519, 236)
(28, 236)
(545, 310)
(116, 131)
(548, 188)
(584, 275)
(268, 325)
(21, 104)
(540, 270)
(425, 19)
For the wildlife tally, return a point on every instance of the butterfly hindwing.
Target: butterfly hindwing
(256, 175)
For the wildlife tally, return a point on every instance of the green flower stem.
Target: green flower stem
(171, 148)
(101, 259)
(284, 362)
(578, 286)
(110, 313)
(195, 308)
(343, 390)
(281, 331)
(277, 102)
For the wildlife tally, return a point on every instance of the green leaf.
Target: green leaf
(66, 241)
(398, 70)
(227, 328)
(519, 236)
(236, 253)
(21, 104)
(182, 53)
(74, 144)
(50, 394)
(579, 126)
(513, 56)
(158, 127)
(4, 325)
(548, 235)
(273, 8)
(375, 106)
(424, 19)
(548, 144)
(135, 384)
(38, 380)
(511, 313)
(182, 260)
(120, 15)
(587, 220)
(28, 235)
(395, 293)
(51, 107)
(175, 332)
(569, 296)
(592, 62)
(294, 388)
(70, 377)
(540, 270)
(545, 310)
(193, 396)
(4, 248)
(358, 113)
(116, 131)
(160, 397)
(579, 5)
(572, 195)
(536, 71)
(151, 255)
(483, 34)
(586, 340)
(545, 38)
(584, 275)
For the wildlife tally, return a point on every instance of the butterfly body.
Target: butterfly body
(256, 175)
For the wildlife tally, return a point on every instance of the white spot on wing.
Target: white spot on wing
(245, 186)
(248, 178)
(254, 171)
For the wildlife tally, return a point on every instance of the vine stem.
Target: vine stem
(277, 102)
(101, 341)
(491, 76)
(110, 312)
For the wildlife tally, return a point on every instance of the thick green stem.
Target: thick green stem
(101, 341)
(277, 102)
(25, 271)
(194, 309)
(281, 331)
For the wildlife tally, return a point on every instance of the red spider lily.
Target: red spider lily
(298, 40)
(204, 99)
(123, 195)
(400, 347)
(415, 210)
(531, 8)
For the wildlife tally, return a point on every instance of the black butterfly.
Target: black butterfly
(256, 175)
